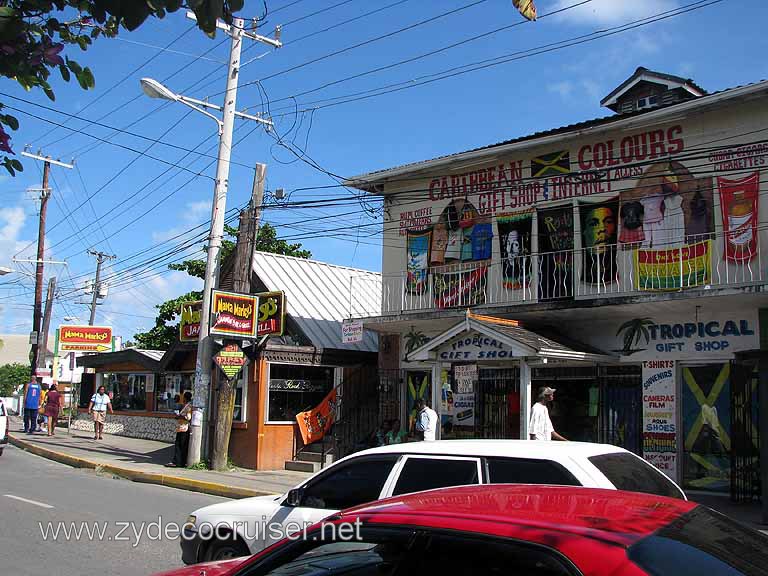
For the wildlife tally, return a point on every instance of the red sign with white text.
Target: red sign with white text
(234, 314)
(85, 338)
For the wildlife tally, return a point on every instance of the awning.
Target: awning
(490, 338)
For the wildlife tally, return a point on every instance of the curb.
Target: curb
(190, 484)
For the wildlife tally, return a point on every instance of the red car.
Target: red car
(512, 530)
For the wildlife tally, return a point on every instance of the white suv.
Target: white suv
(246, 526)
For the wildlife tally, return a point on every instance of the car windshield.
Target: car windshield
(628, 472)
(702, 542)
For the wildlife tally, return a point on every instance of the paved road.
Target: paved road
(35, 491)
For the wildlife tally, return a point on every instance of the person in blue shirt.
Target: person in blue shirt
(31, 405)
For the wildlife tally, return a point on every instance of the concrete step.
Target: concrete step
(314, 457)
(302, 466)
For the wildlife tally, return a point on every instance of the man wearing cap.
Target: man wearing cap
(540, 427)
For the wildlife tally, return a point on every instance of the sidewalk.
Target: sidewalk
(143, 461)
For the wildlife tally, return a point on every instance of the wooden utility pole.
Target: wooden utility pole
(45, 193)
(242, 270)
(100, 257)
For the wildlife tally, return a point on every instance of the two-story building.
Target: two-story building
(620, 260)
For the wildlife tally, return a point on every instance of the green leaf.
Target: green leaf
(236, 5)
(17, 165)
(64, 73)
(12, 122)
(50, 94)
(74, 66)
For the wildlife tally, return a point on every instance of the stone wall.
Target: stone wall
(149, 427)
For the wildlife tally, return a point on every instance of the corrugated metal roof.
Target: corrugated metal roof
(318, 296)
(153, 354)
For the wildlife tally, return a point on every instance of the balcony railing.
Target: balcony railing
(703, 262)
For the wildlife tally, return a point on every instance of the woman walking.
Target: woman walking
(52, 406)
(182, 433)
(98, 406)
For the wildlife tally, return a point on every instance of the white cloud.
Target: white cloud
(194, 213)
(613, 11)
(564, 89)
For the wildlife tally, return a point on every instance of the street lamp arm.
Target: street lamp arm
(186, 101)
(203, 104)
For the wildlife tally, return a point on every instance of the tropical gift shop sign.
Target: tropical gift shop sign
(660, 416)
(475, 346)
(677, 337)
(234, 314)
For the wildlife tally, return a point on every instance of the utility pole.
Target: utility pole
(242, 270)
(204, 364)
(100, 257)
(45, 193)
(47, 320)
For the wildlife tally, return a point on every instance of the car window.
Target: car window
(528, 471)
(627, 472)
(404, 551)
(705, 542)
(350, 484)
(429, 473)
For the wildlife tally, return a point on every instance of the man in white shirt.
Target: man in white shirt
(426, 421)
(540, 427)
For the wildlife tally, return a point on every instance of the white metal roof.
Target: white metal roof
(320, 295)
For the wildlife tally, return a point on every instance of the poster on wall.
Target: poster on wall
(465, 376)
(418, 261)
(556, 253)
(660, 415)
(739, 201)
(669, 217)
(515, 249)
(463, 409)
(599, 231)
(460, 288)
(706, 412)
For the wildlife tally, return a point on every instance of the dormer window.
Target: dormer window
(653, 100)
(648, 89)
(642, 103)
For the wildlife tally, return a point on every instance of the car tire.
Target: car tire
(219, 550)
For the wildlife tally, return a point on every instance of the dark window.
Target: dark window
(347, 485)
(429, 473)
(702, 542)
(294, 388)
(628, 472)
(653, 100)
(525, 471)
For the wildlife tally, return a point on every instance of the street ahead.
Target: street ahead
(35, 491)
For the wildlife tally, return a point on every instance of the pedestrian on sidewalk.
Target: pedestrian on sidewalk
(32, 394)
(41, 419)
(52, 406)
(540, 426)
(426, 421)
(98, 406)
(182, 433)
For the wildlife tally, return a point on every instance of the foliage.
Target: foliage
(11, 376)
(34, 33)
(166, 328)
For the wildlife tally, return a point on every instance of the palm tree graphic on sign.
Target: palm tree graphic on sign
(633, 330)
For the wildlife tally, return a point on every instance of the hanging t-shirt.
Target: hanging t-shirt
(482, 234)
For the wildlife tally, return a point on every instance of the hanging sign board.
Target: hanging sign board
(271, 320)
(465, 377)
(234, 314)
(351, 331)
(189, 325)
(231, 360)
(660, 416)
(84, 339)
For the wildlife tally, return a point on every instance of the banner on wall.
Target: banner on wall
(461, 288)
(515, 249)
(660, 415)
(556, 252)
(315, 423)
(418, 261)
(599, 232)
(739, 205)
(674, 269)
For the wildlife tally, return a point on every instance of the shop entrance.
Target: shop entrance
(745, 449)
(575, 411)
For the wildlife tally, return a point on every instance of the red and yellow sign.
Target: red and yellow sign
(315, 423)
(234, 314)
(674, 269)
(271, 314)
(85, 339)
(189, 325)
(231, 360)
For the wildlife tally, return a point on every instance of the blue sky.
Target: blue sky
(719, 46)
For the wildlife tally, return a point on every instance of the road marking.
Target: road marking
(35, 502)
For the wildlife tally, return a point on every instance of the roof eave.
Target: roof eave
(363, 181)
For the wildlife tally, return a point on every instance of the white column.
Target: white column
(437, 394)
(525, 398)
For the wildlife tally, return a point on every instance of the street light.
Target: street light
(225, 124)
(4, 270)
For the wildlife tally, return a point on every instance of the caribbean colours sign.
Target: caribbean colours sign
(234, 314)
(231, 360)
